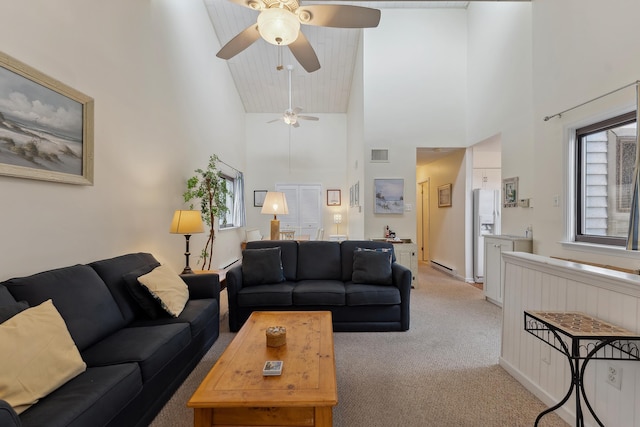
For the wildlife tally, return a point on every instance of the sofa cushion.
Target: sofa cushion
(288, 254)
(42, 358)
(319, 260)
(261, 266)
(168, 288)
(319, 292)
(112, 271)
(148, 304)
(359, 295)
(347, 249)
(92, 398)
(372, 267)
(8, 311)
(279, 294)
(81, 297)
(197, 313)
(152, 347)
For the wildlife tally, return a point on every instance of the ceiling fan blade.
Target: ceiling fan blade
(304, 53)
(240, 42)
(308, 118)
(340, 16)
(297, 110)
(275, 120)
(296, 125)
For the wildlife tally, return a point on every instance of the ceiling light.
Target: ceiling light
(278, 26)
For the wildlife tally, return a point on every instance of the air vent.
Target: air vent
(379, 155)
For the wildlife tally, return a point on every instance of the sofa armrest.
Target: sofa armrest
(234, 284)
(402, 279)
(202, 285)
(8, 417)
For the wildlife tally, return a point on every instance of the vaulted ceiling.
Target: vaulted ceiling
(264, 89)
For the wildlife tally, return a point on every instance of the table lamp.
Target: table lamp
(275, 203)
(187, 223)
(337, 219)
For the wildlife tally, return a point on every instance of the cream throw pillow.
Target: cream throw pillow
(168, 288)
(37, 355)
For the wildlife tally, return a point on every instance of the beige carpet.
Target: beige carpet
(442, 372)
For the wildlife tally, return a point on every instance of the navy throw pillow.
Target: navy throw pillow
(261, 266)
(372, 267)
(149, 305)
(8, 311)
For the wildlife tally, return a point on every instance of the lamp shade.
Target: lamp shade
(186, 222)
(278, 26)
(275, 203)
(337, 218)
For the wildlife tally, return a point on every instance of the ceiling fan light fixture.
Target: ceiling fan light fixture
(278, 26)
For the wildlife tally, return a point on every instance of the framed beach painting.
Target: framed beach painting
(389, 196)
(46, 127)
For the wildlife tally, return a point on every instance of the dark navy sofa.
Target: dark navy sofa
(319, 275)
(134, 363)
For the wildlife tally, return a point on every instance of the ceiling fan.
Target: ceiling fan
(279, 24)
(290, 115)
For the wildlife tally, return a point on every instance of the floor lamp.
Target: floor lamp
(275, 203)
(187, 223)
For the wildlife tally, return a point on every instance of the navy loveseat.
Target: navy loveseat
(134, 362)
(322, 275)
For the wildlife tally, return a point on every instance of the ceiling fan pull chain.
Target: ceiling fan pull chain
(280, 67)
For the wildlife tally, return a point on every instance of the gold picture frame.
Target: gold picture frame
(46, 127)
(444, 196)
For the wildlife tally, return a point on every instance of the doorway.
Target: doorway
(424, 191)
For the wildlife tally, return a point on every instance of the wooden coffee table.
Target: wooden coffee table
(235, 392)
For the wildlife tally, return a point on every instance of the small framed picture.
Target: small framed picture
(258, 197)
(333, 198)
(510, 192)
(444, 196)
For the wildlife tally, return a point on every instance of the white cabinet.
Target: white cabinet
(494, 266)
(407, 255)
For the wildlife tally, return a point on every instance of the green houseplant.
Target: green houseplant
(211, 189)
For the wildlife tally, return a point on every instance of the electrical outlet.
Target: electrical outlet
(614, 376)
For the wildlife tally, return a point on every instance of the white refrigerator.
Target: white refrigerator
(486, 221)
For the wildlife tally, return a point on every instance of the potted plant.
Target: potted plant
(211, 189)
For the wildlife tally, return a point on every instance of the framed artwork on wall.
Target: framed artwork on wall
(46, 127)
(334, 198)
(444, 196)
(258, 198)
(389, 196)
(510, 192)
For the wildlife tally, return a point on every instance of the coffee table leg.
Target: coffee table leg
(324, 416)
(202, 417)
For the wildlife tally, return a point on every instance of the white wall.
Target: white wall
(316, 154)
(414, 96)
(355, 147)
(163, 103)
(500, 94)
(581, 50)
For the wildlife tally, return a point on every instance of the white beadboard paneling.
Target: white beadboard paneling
(540, 283)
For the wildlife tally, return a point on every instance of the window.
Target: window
(235, 215)
(605, 161)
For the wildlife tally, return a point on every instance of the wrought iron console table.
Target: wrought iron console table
(581, 338)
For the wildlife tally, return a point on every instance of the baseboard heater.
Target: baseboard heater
(439, 266)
